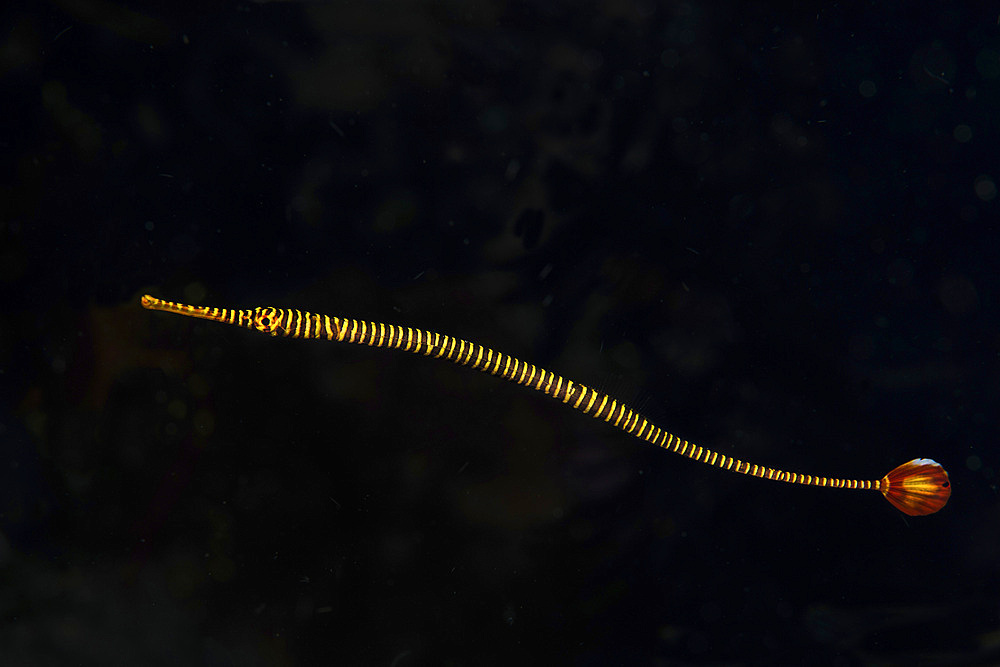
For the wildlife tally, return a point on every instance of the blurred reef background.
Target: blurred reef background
(772, 228)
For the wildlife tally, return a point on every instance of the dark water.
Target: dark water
(774, 231)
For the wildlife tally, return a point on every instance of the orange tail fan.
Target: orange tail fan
(918, 487)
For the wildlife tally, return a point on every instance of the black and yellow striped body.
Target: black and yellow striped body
(301, 324)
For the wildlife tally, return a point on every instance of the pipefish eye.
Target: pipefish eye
(918, 487)
(267, 320)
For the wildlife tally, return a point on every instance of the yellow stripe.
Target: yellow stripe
(541, 379)
(614, 408)
(631, 421)
(600, 408)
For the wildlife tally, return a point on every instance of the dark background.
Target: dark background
(773, 231)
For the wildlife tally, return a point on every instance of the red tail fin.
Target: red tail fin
(918, 487)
